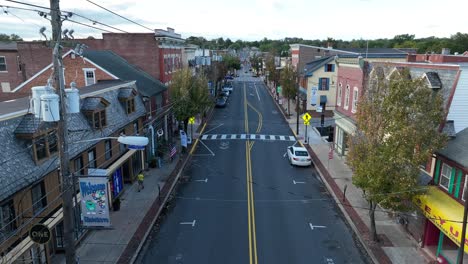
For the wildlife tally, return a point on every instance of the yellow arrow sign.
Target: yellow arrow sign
(306, 117)
(191, 120)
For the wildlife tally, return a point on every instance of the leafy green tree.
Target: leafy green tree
(232, 62)
(12, 37)
(189, 94)
(288, 84)
(398, 123)
(271, 69)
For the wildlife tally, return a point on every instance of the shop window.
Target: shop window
(92, 163)
(39, 199)
(108, 148)
(445, 176)
(7, 218)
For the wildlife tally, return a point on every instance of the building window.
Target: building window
(108, 148)
(130, 105)
(346, 102)
(99, 119)
(59, 243)
(78, 164)
(445, 176)
(136, 127)
(3, 67)
(329, 67)
(45, 146)
(7, 218)
(324, 84)
(92, 163)
(90, 77)
(355, 100)
(6, 88)
(38, 197)
(464, 187)
(340, 94)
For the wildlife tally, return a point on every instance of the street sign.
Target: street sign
(306, 117)
(40, 234)
(307, 123)
(191, 120)
(278, 89)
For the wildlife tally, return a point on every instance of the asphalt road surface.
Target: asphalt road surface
(244, 203)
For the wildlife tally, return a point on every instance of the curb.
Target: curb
(335, 196)
(137, 238)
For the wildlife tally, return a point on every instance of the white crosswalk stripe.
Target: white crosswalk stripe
(247, 136)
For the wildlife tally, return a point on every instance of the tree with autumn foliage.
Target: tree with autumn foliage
(398, 128)
(288, 81)
(189, 95)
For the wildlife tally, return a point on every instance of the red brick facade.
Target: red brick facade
(13, 75)
(353, 77)
(74, 72)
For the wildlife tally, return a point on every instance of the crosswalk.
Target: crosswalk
(247, 136)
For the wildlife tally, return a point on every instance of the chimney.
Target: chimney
(445, 51)
(170, 30)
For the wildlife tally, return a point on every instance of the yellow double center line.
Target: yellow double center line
(250, 194)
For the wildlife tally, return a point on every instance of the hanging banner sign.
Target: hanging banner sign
(313, 99)
(183, 138)
(94, 201)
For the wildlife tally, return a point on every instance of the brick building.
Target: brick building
(11, 71)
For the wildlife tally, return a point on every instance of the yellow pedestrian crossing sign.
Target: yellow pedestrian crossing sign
(307, 123)
(191, 120)
(306, 117)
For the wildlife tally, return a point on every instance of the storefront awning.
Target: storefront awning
(119, 162)
(444, 212)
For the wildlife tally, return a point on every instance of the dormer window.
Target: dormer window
(95, 109)
(44, 146)
(433, 80)
(127, 97)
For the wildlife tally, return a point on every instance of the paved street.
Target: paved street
(244, 203)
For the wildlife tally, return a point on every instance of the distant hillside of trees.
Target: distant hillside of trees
(456, 43)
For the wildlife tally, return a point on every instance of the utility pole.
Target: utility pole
(461, 250)
(67, 192)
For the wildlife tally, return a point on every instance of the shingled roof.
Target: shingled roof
(18, 168)
(118, 66)
(457, 148)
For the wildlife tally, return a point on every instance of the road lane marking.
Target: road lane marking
(212, 153)
(257, 91)
(252, 136)
(204, 137)
(298, 182)
(243, 136)
(233, 136)
(262, 137)
(189, 223)
(205, 180)
(282, 138)
(214, 128)
(312, 226)
(223, 136)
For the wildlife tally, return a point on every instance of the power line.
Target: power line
(68, 14)
(120, 16)
(88, 25)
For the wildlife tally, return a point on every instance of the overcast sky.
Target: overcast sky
(254, 19)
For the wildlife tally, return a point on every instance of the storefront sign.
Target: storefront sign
(95, 201)
(40, 234)
(443, 212)
(117, 182)
(313, 99)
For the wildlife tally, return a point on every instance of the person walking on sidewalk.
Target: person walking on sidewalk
(141, 178)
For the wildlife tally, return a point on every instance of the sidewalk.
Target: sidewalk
(396, 246)
(137, 214)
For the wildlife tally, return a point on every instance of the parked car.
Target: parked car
(220, 102)
(224, 93)
(299, 156)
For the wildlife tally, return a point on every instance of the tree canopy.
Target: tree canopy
(458, 42)
(288, 83)
(12, 37)
(398, 121)
(189, 95)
